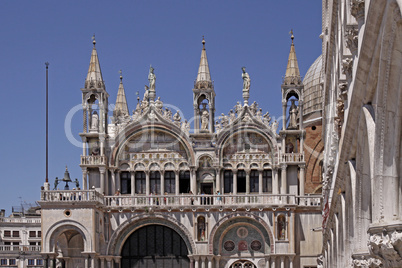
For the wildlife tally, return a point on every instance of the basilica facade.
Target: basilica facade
(234, 191)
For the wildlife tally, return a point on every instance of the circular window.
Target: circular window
(313, 128)
(242, 232)
(229, 245)
(67, 213)
(255, 245)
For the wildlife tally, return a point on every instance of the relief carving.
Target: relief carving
(357, 8)
(388, 247)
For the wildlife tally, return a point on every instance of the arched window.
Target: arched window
(184, 181)
(170, 183)
(228, 181)
(267, 181)
(140, 182)
(254, 181)
(243, 264)
(241, 181)
(155, 181)
(281, 230)
(201, 228)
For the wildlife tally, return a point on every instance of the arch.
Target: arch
(260, 223)
(131, 225)
(50, 238)
(154, 167)
(132, 130)
(292, 92)
(204, 160)
(169, 166)
(139, 167)
(124, 166)
(243, 263)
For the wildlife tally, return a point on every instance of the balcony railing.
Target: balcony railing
(72, 196)
(226, 201)
(24, 248)
(93, 160)
(21, 220)
(293, 157)
(182, 200)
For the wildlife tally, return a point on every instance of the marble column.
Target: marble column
(291, 261)
(234, 171)
(118, 180)
(102, 144)
(284, 105)
(273, 261)
(102, 262)
(162, 172)
(132, 173)
(267, 262)
(282, 258)
(84, 179)
(176, 176)
(283, 179)
(193, 181)
(209, 259)
(248, 171)
(203, 259)
(217, 261)
(84, 146)
(113, 181)
(191, 262)
(147, 184)
(102, 171)
(260, 183)
(196, 262)
(302, 180)
(218, 180)
(275, 181)
(86, 264)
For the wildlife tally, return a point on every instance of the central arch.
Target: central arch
(154, 246)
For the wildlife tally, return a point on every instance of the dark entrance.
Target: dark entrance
(241, 181)
(155, 246)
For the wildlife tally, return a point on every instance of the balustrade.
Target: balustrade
(292, 157)
(15, 248)
(73, 195)
(93, 160)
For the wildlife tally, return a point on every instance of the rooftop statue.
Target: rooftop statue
(246, 80)
(151, 78)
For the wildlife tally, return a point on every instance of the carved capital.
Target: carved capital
(387, 246)
(352, 38)
(357, 8)
(365, 261)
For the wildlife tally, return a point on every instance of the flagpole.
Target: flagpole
(47, 121)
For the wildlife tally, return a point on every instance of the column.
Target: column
(300, 115)
(132, 173)
(92, 261)
(193, 181)
(162, 172)
(102, 179)
(234, 171)
(196, 262)
(209, 258)
(118, 180)
(45, 261)
(217, 261)
(218, 180)
(147, 188)
(275, 181)
(102, 263)
(247, 180)
(203, 259)
(267, 262)
(86, 265)
(301, 192)
(101, 116)
(109, 262)
(191, 262)
(282, 261)
(273, 261)
(283, 179)
(113, 181)
(260, 184)
(291, 261)
(176, 178)
(84, 146)
(102, 144)
(284, 104)
(84, 179)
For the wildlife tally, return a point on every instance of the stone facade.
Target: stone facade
(362, 134)
(229, 193)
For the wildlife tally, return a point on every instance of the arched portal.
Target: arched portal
(154, 246)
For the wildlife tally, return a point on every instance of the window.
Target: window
(31, 262)
(32, 234)
(39, 262)
(228, 181)
(3, 262)
(11, 262)
(155, 181)
(281, 227)
(254, 185)
(39, 233)
(267, 181)
(184, 179)
(241, 181)
(140, 182)
(7, 233)
(16, 233)
(201, 228)
(125, 179)
(170, 182)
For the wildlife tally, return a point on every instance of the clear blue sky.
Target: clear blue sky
(130, 36)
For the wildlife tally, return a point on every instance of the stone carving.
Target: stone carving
(347, 66)
(94, 122)
(246, 85)
(218, 126)
(177, 119)
(340, 115)
(387, 247)
(146, 94)
(366, 262)
(357, 8)
(320, 261)
(343, 90)
(352, 39)
(167, 114)
(151, 78)
(293, 115)
(274, 126)
(253, 108)
(232, 116)
(185, 127)
(259, 114)
(204, 120)
(333, 150)
(159, 105)
(224, 120)
(266, 118)
(238, 108)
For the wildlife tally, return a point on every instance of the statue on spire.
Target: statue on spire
(151, 78)
(246, 85)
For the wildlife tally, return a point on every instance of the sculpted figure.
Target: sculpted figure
(94, 124)
(159, 105)
(56, 182)
(266, 118)
(246, 80)
(238, 108)
(224, 120)
(151, 78)
(217, 126)
(204, 120)
(259, 114)
(177, 118)
(185, 126)
(167, 114)
(146, 93)
(274, 126)
(293, 115)
(232, 116)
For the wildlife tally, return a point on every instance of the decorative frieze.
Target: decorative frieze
(366, 262)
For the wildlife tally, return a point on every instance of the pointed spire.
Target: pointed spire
(204, 77)
(292, 75)
(121, 108)
(94, 77)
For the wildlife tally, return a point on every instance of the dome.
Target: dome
(313, 90)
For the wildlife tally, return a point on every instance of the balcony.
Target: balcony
(21, 220)
(20, 248)
(292, 157)
(93, 160)
(182, 201)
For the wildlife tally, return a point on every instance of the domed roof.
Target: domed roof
(312, 93)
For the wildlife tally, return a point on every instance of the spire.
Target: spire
(292, 75)
(204, 77)
(94, 77)
(121, 108)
